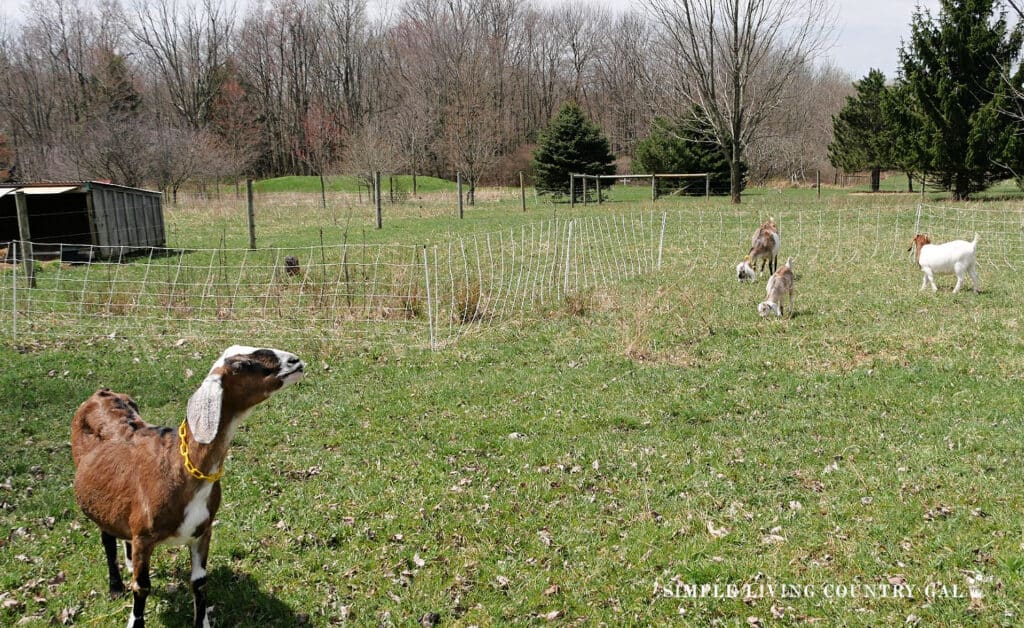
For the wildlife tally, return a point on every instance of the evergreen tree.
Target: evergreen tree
(570, 144)
(954, 67)
(680, 148)
(859, 130)
(905, 131)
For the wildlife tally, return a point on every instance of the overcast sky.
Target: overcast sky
(867, 35)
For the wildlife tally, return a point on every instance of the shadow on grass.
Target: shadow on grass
(237, 600)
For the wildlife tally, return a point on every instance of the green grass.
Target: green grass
(666, 435)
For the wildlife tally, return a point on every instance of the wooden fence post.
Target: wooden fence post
(522, 190)
(376, 199)
(654, 188)
(25, 235)
(572, 190)
(458, 183)
(251, 214)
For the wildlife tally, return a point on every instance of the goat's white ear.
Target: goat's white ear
(203, 411)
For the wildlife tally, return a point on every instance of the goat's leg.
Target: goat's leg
(141, 552)
(128, 556)
(200, 550)
(113, 568)
(974, 279)
(959, 282)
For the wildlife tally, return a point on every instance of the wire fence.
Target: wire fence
(431, 295)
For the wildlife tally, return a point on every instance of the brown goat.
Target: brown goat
(764, 246)
(151, 485)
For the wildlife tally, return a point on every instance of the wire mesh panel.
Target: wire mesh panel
(431, 294)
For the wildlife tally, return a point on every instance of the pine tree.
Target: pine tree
(954, 67)
(859, 130)
(570, 144)
(680, 148)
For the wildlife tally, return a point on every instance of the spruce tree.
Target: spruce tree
(570, 144)
(954, 66)
(859, 130)
(680, 148)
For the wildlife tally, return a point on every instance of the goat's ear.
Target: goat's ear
(203, 411)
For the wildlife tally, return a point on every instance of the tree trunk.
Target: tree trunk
(734, 176)
(323, 192)
(960, 192)
(876, 178)
(910, 183)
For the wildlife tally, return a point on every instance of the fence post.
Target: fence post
(26, 238)
(597, 184)
(661, 238)
(572, 190)
(584, 180)
(14, 291)
(458, 183)
(376, 199)
(251, 214)
(568, 250)
(654, 189)
(817, 181)
(522, 190)
(430, 301)
(707, 185)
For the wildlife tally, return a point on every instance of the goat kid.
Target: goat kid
(764, 246)
(780, 284)
(957, 257)
(150, 485)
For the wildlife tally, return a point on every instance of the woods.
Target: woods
(173, 91)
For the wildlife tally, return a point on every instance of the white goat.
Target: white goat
(150, 485)
(764, 246)
(780, 284)
(957, 257)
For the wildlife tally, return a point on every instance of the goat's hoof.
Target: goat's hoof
(116, 590)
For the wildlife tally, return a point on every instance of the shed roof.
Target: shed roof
(61, 187)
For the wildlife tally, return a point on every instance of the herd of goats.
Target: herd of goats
(957, 257)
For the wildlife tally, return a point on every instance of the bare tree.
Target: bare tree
(730, 62)
(187, 48)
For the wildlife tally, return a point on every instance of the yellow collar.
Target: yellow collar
(191, 468)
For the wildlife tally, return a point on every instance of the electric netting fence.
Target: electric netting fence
(1000, 231)
(430, 293)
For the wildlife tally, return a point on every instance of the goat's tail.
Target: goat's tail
(975, 240)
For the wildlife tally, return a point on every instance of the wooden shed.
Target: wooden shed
(102, 219)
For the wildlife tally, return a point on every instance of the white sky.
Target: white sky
(867, 34)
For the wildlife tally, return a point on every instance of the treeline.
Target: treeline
(164, 92)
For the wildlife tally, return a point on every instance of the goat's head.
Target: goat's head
(768, 307)
(240, 378)
(744, 272)
(916, 243)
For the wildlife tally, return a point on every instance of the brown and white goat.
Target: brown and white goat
(764, 246)
(779, 285)
(958, 257)
(152, 485)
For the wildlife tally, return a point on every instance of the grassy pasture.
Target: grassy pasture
(583, 463)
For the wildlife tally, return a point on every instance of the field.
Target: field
(598, 458)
